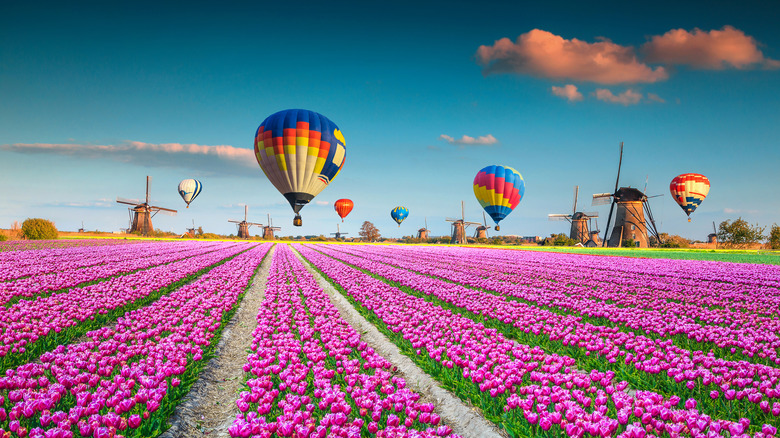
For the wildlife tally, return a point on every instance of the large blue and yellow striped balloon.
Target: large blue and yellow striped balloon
(399, 214)
(300, 152)
(189, 189)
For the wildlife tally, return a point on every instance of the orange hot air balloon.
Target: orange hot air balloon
(343, 207)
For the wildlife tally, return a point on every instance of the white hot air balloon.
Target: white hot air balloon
(189, 189)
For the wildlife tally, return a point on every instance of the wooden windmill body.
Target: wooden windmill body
(338, 234)
(634, 218)
(580, 229)
(141, 213)
(423, 233)
(459, 227)
(243, 226)
(712, 238)
(268, 230)
(482, 230)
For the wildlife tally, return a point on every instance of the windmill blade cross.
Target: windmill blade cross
(128, 201)
(576, 194)
(601, 199)
(148, 187)
(620, 164)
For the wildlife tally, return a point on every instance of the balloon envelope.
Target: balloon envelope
(689, 190)
(499, 189)
(343, 207)
(189, 189)
(300, 152)
(399, 214)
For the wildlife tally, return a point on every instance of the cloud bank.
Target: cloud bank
(210, 160)
(543, 54)
(713, 50)
(483, 140)
(568, 92)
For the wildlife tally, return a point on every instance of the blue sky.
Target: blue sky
(96, 95)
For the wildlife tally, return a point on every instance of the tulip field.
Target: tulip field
(105, 339)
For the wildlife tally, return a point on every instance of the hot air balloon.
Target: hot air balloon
(499, 189)
(300, 152)
(189, 189)
(688, 190)
(399, 214)
(343, 207)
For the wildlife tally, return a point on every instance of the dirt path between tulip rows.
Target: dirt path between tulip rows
(464, 419)
(210, 406)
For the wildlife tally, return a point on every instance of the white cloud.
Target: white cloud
(211, 160)
(628, 97)
(322, 202)
(569, 92)
(483, 140)
(655, 98)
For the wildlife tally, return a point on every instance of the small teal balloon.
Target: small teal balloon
(399, 214)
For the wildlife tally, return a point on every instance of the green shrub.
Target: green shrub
(39, 229)
(3, 237)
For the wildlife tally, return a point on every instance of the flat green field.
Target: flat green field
(716, 255)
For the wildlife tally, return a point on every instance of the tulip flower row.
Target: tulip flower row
(36, 245)
(732, 334)
(20, 264)
(144, 257)
(126, 379)
(702, 314)
(311, 375)
(31, 327)
(503, 377)
(747, 388)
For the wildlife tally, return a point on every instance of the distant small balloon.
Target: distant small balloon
(689, 190)
(499, 189)
(399, 214)
(189, 189)
(343, 207)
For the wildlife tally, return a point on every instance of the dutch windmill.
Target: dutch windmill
(632, 208)
(459, 226)
(141, 213)
(580, 221)
(422, 233)
(268, 230)
(481, 231)
(338, 232)
(191, 231)
(713, 237)
(243, 226)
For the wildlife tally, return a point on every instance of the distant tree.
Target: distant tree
(670, 241)
(39, 229)
(774, 237)
(739, 234)
(369, 232)
(3, 237)
(15, 226)
(200, 231)
(497, 240)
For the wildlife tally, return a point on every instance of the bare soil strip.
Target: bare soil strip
(210, 406)
(464, 419)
